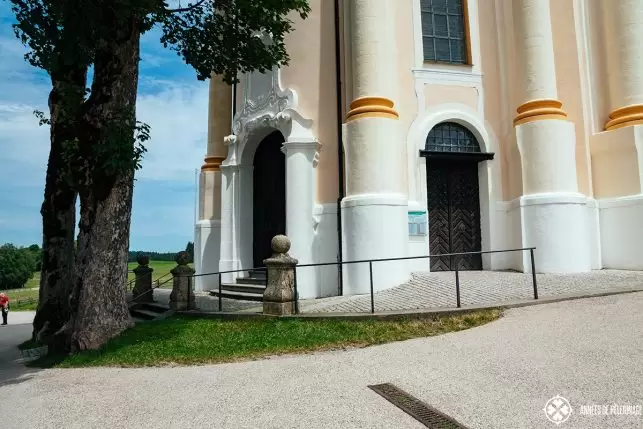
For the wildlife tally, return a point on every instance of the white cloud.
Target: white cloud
(177, 116)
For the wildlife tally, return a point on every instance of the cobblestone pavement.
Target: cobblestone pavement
(435, 290)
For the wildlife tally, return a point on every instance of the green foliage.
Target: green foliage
(224, 36)
(17, 266)
(65, 37)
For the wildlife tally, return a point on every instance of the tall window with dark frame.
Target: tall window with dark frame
(444, 31)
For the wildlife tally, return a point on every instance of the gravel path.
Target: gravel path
(437, 290)
(496, 376)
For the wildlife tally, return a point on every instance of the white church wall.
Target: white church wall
(622, 232)
(325, 249)
(207, 242)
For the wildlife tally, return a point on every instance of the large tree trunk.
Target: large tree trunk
(58, 211)
(99, 301)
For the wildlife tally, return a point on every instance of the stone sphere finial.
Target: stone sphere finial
(182, 258)
(143, 260)
(280, 244)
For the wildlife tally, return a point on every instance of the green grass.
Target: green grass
(26, 299)
(33, 282)
(185, 340)
(23, 299)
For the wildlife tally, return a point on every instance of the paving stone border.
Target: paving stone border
(34, 353)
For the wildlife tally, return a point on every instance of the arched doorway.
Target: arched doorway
(453, 196)
(269, 195)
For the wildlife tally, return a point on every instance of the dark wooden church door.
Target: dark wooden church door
(454, 214)
(269, 196)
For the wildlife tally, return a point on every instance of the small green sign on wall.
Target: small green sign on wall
(418, 221)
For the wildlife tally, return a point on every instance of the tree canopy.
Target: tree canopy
(97, 144)
(16, 266)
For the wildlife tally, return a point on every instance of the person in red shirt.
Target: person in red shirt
(4, 306)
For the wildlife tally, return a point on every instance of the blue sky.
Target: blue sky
(171, 100)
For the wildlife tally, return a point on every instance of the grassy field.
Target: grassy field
(184, 340)
(161, 271)
(26, 299)
(23, 299)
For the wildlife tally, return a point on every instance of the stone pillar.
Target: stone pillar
(207, 241)
(182, 296)
(301, 160)
(143, 284)
(279, 294)
(554, 213)
(374, 211)
(624, 27)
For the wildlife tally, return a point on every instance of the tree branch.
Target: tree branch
(187, 8)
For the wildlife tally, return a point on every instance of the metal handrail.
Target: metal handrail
(371, 261)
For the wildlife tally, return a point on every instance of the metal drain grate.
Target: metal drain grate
(428, 416)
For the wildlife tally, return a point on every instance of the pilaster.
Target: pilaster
(553, 213)
(624, 27)
(374, 210)
(301, 161)
(208, 229)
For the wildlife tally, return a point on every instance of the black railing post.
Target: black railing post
(533, 273)
(370, 269)
(296, 297)
(457, 287)
(220, 301)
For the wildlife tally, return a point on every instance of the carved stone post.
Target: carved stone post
(279, 295)
(182, 296)
(142, 291)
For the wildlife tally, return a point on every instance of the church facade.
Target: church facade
(424, 127)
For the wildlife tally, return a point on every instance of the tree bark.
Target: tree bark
(99, 306)
(58, 212)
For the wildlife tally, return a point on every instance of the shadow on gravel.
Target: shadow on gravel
(13, 368)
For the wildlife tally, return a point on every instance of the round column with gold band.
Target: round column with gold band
(624, 28)
(553, 212)
(374, 211)
(208, 227)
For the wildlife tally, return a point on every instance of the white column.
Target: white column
(229, 214)
(207, 240)
(624, 26)
(375, 208)
(554, 214)
(301, 157)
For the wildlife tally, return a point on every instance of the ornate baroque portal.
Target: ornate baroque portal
(266, 109)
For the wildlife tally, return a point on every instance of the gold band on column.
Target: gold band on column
(212, 163)
(372, 107)
(624, 117)
(536, 110)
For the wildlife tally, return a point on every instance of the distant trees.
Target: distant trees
(190, 249)
(154, 256)
(17, 265)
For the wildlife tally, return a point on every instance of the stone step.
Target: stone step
(244, 287)
(144, 314)
(257, 281)
(240, 296)
(155, 307)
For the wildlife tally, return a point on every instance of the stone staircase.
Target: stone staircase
(146, 311)
(249, 288)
